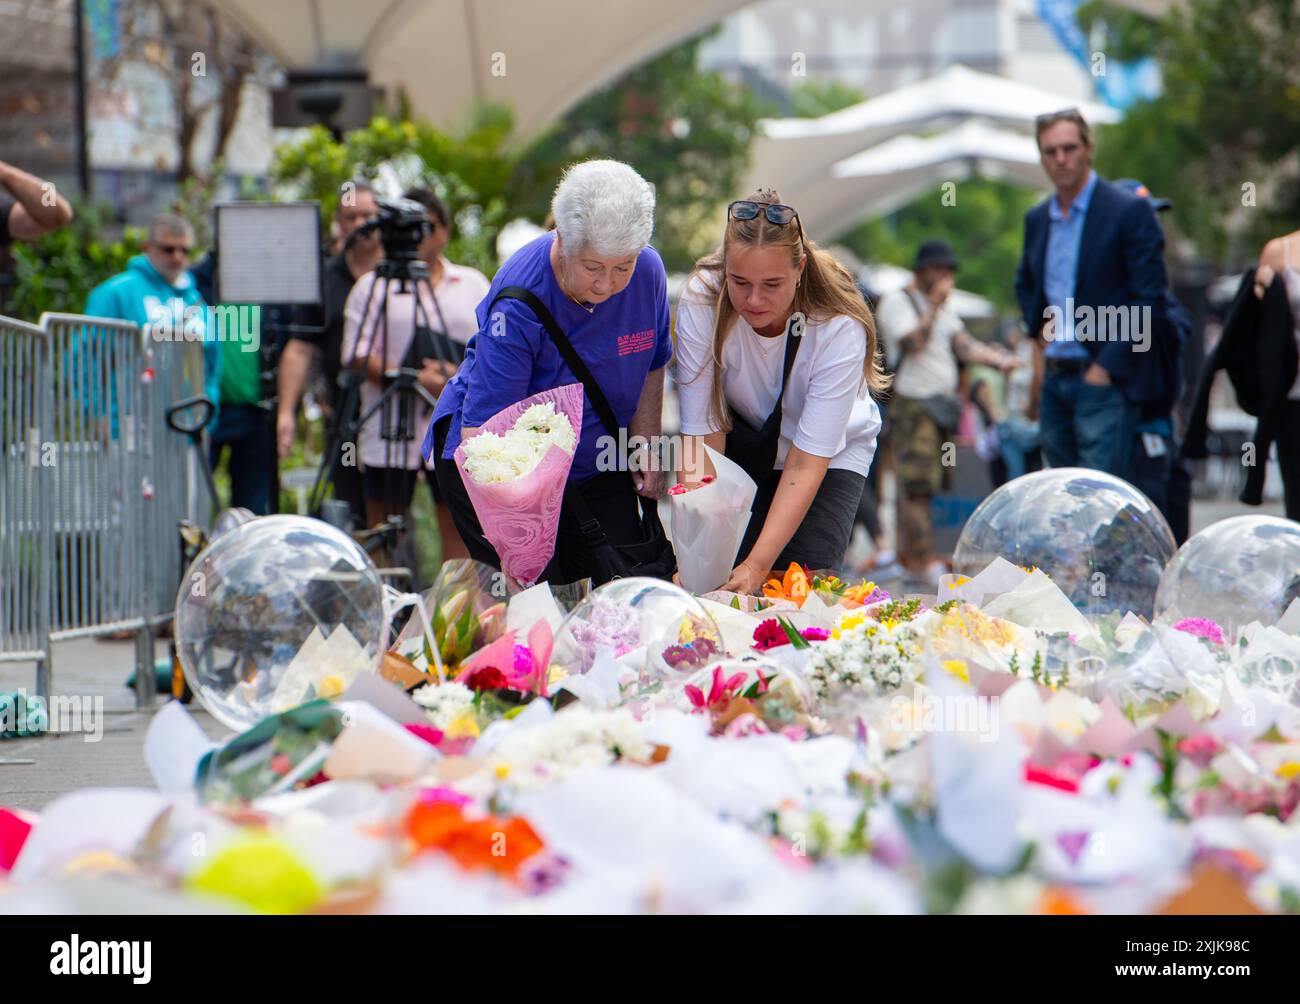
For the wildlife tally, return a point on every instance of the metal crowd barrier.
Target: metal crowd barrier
(92, 486)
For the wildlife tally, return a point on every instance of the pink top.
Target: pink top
(458, 293)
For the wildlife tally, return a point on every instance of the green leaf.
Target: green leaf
(796, 639)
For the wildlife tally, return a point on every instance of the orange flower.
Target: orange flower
(431, 824)
(492, 843)
(794, 586)
(500, 845)
(1059, 902)
(856, 596)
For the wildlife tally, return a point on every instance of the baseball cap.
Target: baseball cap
(1137, 188)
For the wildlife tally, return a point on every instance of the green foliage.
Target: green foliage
(985, 226)
(815, 98)
(193, 203)
(56, 272)
(688, 132)
(482, 177)
(1229, 116)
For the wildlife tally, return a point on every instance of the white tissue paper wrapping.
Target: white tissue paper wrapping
(709, 523)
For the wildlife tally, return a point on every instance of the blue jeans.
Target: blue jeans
(247, 430)
(1085, 426)
(1018, 437)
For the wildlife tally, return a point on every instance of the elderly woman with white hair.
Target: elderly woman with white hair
(585, 303)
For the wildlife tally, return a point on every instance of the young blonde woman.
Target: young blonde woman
(777, 363)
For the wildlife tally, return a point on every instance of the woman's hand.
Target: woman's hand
(745, 579)
(1263, 279)
(434, 375)
(649, 483)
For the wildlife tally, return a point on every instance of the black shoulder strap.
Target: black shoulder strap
(566, 350)
(792, 341)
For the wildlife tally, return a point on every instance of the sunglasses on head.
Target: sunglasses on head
(743, 209)
(1071, 114)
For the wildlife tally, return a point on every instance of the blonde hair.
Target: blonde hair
(826, 290)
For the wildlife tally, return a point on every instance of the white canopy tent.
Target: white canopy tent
(796, 156)
(880, 180)
(540, 58)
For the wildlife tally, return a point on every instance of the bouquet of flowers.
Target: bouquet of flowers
(798, 583)
(867, 656)
(466, 607)
(515, 471)
(280, 753)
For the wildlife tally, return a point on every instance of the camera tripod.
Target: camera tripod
(397, 405)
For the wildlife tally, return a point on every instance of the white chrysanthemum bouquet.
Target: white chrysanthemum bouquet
(866, 656)
(491, 459)
(515, 469)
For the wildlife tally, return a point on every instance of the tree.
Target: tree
(202, 60)
(56, 272)
(684, 130)
(480, 173)
(1220, 140)
(814, 98)
(985, 226)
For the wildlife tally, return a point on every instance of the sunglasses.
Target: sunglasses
(184, 249)
(743, 209)
(1071, 114)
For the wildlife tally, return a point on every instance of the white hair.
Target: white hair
(603, 206)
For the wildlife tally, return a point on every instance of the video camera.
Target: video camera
(402, 226)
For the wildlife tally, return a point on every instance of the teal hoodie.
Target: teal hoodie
(142, 295)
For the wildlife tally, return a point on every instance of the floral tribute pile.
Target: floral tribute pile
(822, 748)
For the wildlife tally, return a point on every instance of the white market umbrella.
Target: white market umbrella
(792, 155)
(880, 180)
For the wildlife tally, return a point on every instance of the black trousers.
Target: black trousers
(824, 534)
(1288, 457)
(611, 496)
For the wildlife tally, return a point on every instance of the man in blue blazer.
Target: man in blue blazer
(1091, 286)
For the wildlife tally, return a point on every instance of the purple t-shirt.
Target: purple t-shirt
(512, 357)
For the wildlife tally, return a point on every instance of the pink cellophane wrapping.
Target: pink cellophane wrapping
(520, 518)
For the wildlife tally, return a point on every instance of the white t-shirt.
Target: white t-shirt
(827, 411)
(931, 371)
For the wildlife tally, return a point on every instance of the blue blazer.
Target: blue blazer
(1121, 264)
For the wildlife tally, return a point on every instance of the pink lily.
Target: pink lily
(720, 693)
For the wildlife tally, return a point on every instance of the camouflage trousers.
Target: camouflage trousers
(918, 445)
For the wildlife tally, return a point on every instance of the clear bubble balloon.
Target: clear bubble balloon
(276, 612)
(1100, 540)
(677, 633)
(228, 519)
(1238, 570)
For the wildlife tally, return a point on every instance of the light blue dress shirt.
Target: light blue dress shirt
(1062, 265)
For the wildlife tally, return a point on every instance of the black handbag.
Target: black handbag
(652, 555)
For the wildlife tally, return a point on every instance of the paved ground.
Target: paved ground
(35, 771)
